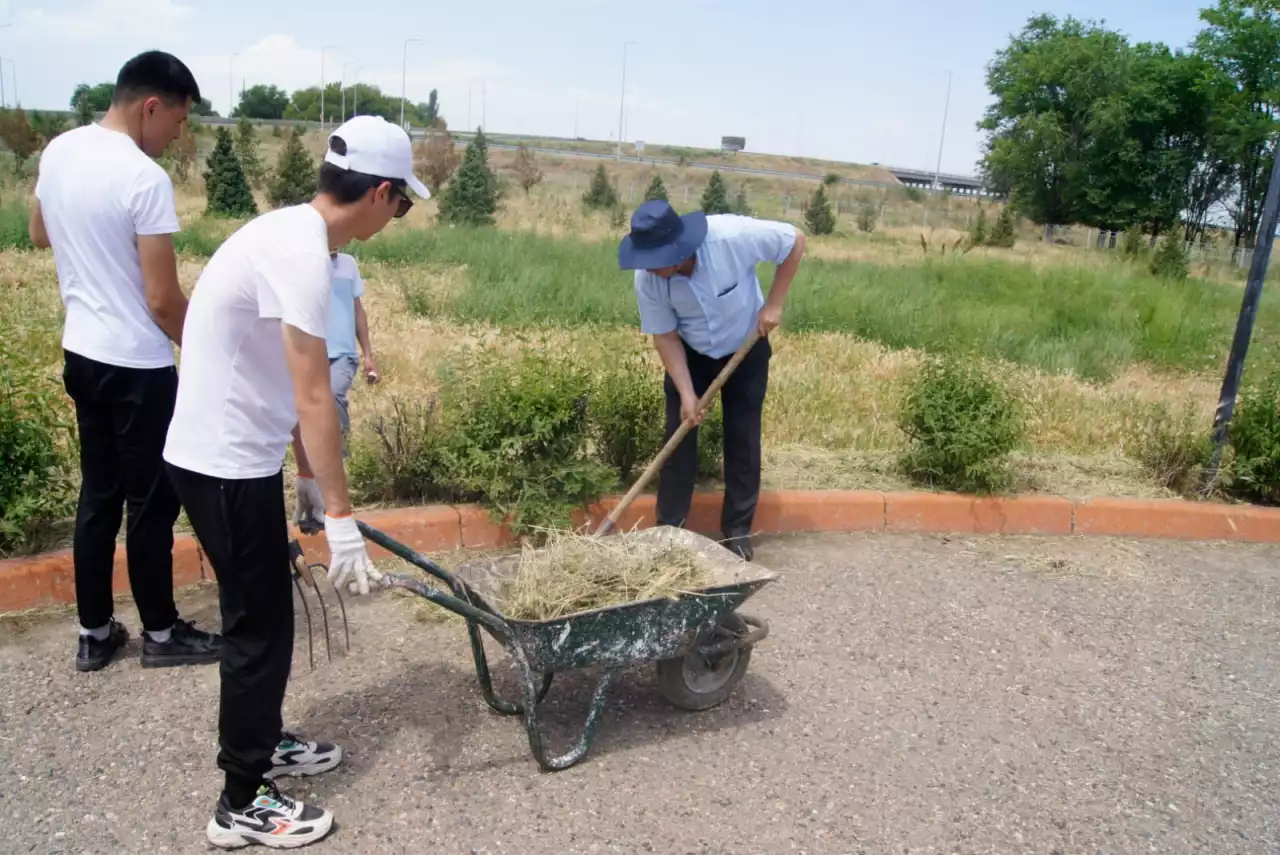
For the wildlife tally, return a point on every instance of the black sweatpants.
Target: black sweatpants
(242, 527)
(123, 415)
(742, 402)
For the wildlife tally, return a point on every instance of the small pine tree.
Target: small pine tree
(740, 203)
(1132, 244)
(180, 155)
(472, 196)
(18, 136)
(436, 159)
(225, 185)
(818, 216)
(527, 170)
(1002, 235)
(657, 190)
(978, 233)
(247, 152)
(296, 176)
(1170, 260)
(868, 216)
(715, 199)
(600, 195)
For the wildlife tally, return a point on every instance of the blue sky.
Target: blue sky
(845, 80)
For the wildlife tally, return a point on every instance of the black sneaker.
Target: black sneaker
(94, 655)
(298, 757)
(186, 646)
(739, 546)
(272, 819)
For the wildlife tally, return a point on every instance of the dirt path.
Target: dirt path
(917, 695)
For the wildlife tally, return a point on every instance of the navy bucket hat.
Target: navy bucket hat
(660, 237)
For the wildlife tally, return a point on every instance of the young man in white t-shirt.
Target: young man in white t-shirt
(107, 210)
(255, 373)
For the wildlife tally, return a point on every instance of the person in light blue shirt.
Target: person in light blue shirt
(700, 299)
(348, 326)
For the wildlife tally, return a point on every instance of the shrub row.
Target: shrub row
(533, 437)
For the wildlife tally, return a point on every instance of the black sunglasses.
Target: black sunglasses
(405, 203)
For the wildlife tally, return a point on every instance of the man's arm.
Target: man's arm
(366, 347)
(671, 352)
(771, 313)
(308, 360)
(35, 227)
(165, 299)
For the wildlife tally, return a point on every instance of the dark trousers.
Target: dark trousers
(123, 415)
(242, 528)
(742, 402)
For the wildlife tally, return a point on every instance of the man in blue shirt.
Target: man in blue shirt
(700, 299)
(348, 325)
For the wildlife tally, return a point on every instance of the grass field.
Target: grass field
(1092, 344)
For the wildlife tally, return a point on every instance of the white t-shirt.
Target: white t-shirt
(98, 191)
(235, 413)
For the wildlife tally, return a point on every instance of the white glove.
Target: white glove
(309, 504)
(348, 560)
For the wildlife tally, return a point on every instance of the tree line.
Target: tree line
(1087, 127)
(271, 102)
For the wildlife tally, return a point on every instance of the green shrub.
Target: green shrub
(818, 216)
(657, 190)
(225, 185)
(600, 194)
(518, 437)
(37, 484)
(1255, 441)
(296, 175)
(960, 425)
(868, 214)
(471, 197)
(978, 233)
(1174, 449)
(1170, 260)
(1133, 243)
(247, 152)
(400, 457)
(831, 179)
(627, 411)
(913, 194)
(711, 444)
(14, 218)
(715, 199)
(1002, 235)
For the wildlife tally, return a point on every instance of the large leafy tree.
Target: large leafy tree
(262, 102)
(1242, 41)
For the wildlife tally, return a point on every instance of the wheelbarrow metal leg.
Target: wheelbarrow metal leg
(486, 681)
(531, 698)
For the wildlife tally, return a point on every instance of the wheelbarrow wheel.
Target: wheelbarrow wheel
(698, 682)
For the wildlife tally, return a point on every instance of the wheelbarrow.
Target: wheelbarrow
(700, 643)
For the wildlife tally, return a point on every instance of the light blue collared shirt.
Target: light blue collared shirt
(715, 309)
(347, 287)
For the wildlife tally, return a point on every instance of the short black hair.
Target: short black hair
(155, 73)
(346, 186)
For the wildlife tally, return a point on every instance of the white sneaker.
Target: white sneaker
(298, 757)
(272, 819)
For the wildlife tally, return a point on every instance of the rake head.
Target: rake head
(304, 576)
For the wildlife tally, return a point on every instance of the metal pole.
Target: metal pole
(484, 102)
(231, 85)
(1244, 324)
(17, 102)
(937, 175)
(342, 84)
(355, 93)
(622, 100)
(470, 87)
(322, 81)
(404, 74)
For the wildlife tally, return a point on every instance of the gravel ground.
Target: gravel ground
(917, 695)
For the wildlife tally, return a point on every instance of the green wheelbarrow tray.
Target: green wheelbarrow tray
(701, 645)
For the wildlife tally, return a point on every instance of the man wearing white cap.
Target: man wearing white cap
(255, 373)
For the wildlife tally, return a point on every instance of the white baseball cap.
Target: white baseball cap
(374, 146)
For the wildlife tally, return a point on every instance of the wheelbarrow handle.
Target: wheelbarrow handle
(452, 603)
(704, 403)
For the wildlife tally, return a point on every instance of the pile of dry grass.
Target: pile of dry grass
(573, 573)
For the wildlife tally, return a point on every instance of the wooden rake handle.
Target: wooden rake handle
(676, 438)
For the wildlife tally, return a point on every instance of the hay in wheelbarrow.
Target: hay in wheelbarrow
(573, 572)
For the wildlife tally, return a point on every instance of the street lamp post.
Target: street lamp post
(342, 85)
(231, 84)
(404, 75)
(17, 102)
(322, 50)
(622, 101)
(937, 175)
(355, 92)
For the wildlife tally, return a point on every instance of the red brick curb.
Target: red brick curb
(49, 579)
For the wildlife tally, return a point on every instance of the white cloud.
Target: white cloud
(97, 21)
